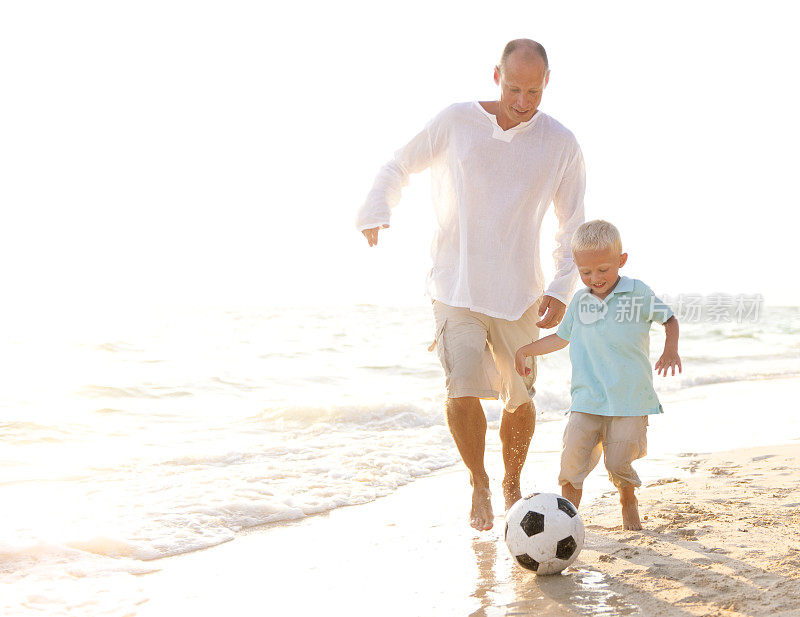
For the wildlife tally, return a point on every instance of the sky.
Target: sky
(215, 153)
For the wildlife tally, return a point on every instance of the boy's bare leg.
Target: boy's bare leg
(467, 424)
(630, 508)
(516, 432)
(573, 494)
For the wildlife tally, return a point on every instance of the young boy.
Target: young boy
(608, 325)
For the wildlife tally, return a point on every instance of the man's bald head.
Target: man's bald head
(522, 75)
(525, 50)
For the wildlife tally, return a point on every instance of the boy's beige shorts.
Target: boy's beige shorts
(622, 440)
(477, 353)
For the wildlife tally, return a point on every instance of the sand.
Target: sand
(725, 541)
(721, 537)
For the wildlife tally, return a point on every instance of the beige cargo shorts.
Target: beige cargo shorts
(620, 439)
(477, 353)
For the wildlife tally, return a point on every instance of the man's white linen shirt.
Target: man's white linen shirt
(490, 190)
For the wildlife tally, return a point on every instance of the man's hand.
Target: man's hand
(555, 310)
(372, 234)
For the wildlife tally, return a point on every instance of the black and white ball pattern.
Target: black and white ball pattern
(544, 532)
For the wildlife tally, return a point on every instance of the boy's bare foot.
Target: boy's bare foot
(630, 509)
(511, 491)
(630, 517)
(481, 516)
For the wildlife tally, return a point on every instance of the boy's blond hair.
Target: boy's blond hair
(597, 234)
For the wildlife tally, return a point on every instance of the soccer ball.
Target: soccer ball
(544, 532)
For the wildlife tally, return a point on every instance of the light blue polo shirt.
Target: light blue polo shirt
(609, 347)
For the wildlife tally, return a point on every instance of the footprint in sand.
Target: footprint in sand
(719, 471)
(627, 553)
(663, 481)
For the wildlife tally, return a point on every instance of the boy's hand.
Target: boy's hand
(668, 359)
(519, 363)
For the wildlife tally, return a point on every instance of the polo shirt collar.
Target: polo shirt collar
(624, 285)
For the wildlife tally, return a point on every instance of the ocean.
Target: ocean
(172, 431)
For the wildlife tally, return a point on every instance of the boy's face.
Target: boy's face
(599, 268)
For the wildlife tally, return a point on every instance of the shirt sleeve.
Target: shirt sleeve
(416, 156)
(568, 206)
(654, 308)
(564, 330)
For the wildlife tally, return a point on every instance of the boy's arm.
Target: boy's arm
(670, 358)
(548, 344)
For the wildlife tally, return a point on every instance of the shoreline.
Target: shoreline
(663, 460)
(413, 553)
(396, 558)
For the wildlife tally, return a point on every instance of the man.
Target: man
(495, 168)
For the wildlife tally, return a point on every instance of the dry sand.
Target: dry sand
(725, 541)
(721, 538)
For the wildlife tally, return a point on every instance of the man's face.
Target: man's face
(599, 268)
(522, 82)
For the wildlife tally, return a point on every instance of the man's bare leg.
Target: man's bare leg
(630, 508)
(572, 494)
(467, 424)
(516, 432)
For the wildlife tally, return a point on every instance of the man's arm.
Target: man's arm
(414, 157)
(568, 207)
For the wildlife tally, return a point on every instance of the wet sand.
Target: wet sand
(721, 537)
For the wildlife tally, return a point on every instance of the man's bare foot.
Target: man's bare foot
(630, 509)
(511, 491)
(481, 516)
